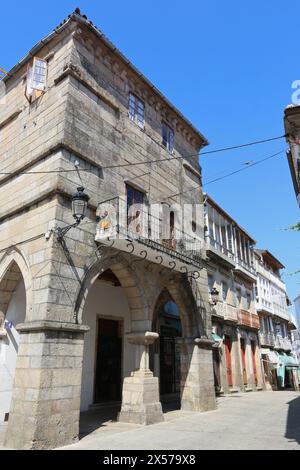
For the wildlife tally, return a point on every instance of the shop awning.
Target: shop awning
(289, 361)
(216, 338)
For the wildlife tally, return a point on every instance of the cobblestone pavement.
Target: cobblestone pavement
(257, 420)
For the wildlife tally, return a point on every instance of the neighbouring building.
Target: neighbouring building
(297, 310)
(296, 332)
(292, 130)
(280, 366)
(235, 324)
(113, 309)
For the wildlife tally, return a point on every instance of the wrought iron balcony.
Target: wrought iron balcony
(135, 230)
(248, 319)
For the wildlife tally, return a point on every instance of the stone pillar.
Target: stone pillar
(197, 377)
(45, 406)
(140, 399)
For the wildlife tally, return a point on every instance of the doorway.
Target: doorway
(253, 352)
(108, 382)
(165, 357)
(243, 355)
(228, 346)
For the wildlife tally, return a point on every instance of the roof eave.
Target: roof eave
(115, 50)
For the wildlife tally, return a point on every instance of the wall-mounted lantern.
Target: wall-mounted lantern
(214, 294)
(79, 207)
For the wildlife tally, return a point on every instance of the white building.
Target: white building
(272, 306)
(297, 310)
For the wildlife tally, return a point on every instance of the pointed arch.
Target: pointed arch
(14, 266)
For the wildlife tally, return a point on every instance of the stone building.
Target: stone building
(292, 130)
(81, 309)
(235, 324)
(275, 324)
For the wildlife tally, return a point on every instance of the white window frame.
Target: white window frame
(168, 143)
(134, 111)
(36, 81)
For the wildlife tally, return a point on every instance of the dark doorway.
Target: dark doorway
(228, 360)
(243, 355)
(109, 359)
(216, 367)
(169, 326)
(169, 366)
(253, 352)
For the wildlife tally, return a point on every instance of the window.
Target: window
(36, 79)
(248, 300)
(135, 214)
(224, 290)
(167, 137)
(210, 282)
(238, 296)
(136, 110)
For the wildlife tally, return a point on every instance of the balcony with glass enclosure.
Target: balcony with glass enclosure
(219, 235)
(130, 225)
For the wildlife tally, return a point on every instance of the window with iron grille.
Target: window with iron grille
(136, 110)
(167, 137)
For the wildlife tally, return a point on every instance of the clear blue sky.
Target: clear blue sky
(228, 66)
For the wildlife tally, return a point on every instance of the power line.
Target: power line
(257, 162)
(129, 164)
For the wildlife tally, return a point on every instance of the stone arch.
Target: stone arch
(14, 266)
(181, 293)
(130, 283)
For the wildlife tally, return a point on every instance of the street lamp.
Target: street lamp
(79, 207)
(214, 295)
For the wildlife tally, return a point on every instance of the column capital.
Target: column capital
(52, 325)
(202, 342)
(142, 338)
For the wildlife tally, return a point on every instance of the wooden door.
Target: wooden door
(228, 360)
(243, 355)
(109, 357)
(253, 351)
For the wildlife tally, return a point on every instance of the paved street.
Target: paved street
(262, 420)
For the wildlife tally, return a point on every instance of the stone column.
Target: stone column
(140, 399)
(45, 406)
(197, 377)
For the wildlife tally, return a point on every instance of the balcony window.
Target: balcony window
(135, 202)
(211, 282)
(248, 301)
(167, 137)
(136, 110)
(224, 291)
(238, 296)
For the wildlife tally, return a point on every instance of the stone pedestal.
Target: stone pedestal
(140, 399)
(45, 406)
(197, 378)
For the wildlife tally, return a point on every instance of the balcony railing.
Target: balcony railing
(248, 319)
(228, 312)
(137, 231)
(267, 339)
(246, 266)
(283, 343)
(219, 247)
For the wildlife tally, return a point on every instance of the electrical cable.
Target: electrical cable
(122, 165)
